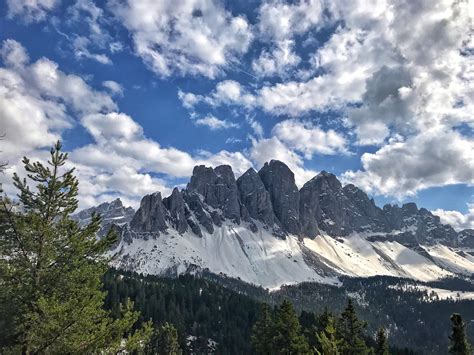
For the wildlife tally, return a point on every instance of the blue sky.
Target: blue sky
(141, 91)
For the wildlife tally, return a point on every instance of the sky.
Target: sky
(380, 93)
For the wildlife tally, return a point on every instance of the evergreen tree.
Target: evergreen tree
(287, 338)
(351, 331)
(262, 332)
(381, 344)
(459, 344)
(327, 339)
(51, 270)
(164, 341)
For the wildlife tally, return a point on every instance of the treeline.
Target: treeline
(210, 317)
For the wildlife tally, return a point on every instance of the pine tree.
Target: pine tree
(164, 341)
(381, 344)
(262, 332)
(351, 331)
(287, 338)
(51, 270)
(327, 339)
(459, 344)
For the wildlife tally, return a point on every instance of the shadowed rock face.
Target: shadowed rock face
(279, 181)
(177, 211)
(150, 217)
(270, 196)
(218, 189)
(256, 198)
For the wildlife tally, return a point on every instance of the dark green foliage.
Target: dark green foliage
(287, 337)
(328, 343)
(385, 302)
(351, 331)
(196, 307)
(459, 344)
(51, 268)
(164, 341)
(381, 343)
(262, 332)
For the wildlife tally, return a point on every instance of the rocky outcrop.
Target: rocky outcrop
(112, 213)
(325, 205)
(256, 198)
(151, 216)
(421, 224)
(279, 181)
(177, 211)
(218, 189)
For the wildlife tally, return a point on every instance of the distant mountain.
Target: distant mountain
(113, 213)
(262, 229)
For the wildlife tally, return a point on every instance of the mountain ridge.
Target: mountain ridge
(263, 222)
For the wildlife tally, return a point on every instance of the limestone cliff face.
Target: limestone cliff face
(271, 199)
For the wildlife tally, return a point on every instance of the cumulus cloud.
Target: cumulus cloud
(214, 123)
(309, 139)
(435, 157)
(278, 24)
(226, 92)
(399, 72)
(40, 96)
(456, 219)
(280, 59)
(120, 160)
(30, 10)
(114, 87)
(198, 37)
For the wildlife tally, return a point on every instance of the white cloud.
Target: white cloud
(456, 219)
(228, 92)
(120, 161)
(400, 73)
(197, 37)
(435, 157)
(215, 123)
(278, 61)
(279, 23)
(279, 20)
(30, 10)
(41, 97)
(81, 50)
(309, 139)
(114, 87)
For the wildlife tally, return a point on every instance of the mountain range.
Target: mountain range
(260, 228)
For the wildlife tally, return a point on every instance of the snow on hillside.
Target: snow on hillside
(355, 256)
(262, 259)
(257, 258)
(447, 258)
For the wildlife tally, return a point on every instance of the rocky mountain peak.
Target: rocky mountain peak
(279, 181)
(150, 217)
(256, 198)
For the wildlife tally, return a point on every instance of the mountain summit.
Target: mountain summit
(262, 229)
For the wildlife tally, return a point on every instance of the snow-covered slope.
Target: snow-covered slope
(260, 258)
(235, 251)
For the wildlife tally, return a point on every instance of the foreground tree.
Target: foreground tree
(287, 338)
(459, 344)
(351, 331)
(164, 341)
(381, 344)
(51, 269)
(327, 339)
(262, 332)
